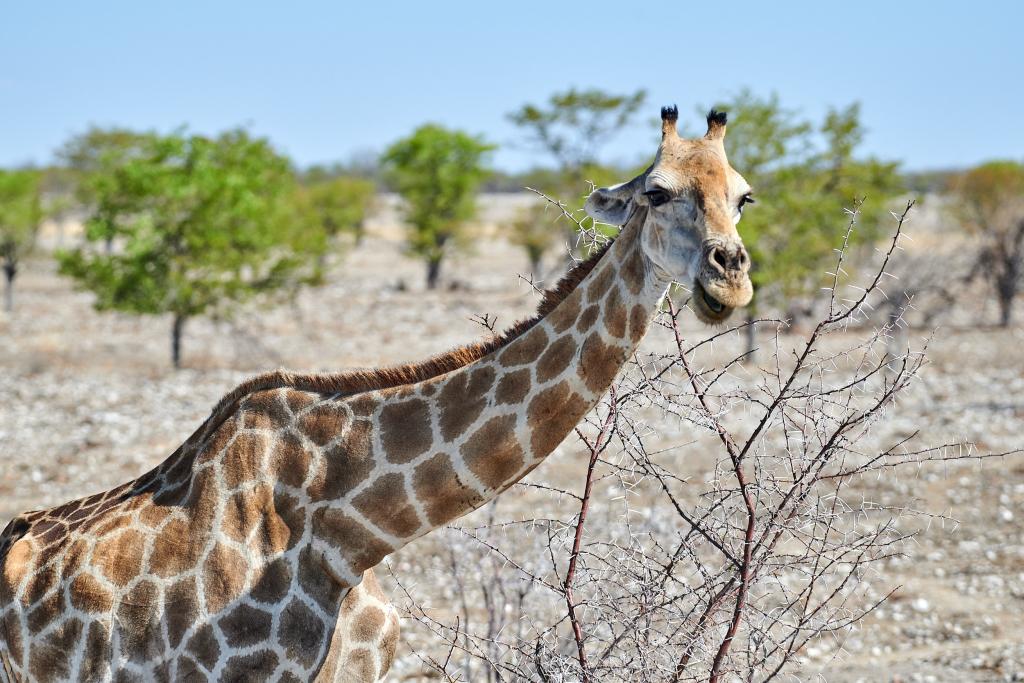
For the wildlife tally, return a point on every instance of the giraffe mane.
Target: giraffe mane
(352, 382)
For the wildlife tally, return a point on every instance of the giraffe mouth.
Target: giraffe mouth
(708, 309)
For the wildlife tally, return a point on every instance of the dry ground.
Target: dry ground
(88, 401)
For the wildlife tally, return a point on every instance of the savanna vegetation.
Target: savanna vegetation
(188, 225)
(776, 551)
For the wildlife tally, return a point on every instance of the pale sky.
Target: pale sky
(939, 82)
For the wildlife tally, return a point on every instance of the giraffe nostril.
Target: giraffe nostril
(719, 259)
(744, 259)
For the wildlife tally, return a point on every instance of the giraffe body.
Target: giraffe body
(248, 554)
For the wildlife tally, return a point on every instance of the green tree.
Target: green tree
(338, 205)
(574, 125)
(89, 159)
(196, 223)
(572, 128)
(803, 176)
(990, 205)
(437, 171)
(20, 214)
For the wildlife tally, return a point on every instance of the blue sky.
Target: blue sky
(939, 82)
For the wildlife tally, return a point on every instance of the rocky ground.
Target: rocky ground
(88, 400)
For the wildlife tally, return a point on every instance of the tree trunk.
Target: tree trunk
(10, 270)
(433, 272)
(1005, 309)
(1006, 290)
(177, 327)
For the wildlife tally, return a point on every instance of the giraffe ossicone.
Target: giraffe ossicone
(248, 554)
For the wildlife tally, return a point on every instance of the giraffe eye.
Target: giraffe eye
(657, 197)
(745, 199)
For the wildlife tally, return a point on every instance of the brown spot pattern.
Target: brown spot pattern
(175, 549)
(492, 453)
(290, 460)
(97, 653)
(223, 577)
(386, 505)
(588, 318)
(203, 646)
(638, 317)
(360, 547)
(49, 660)
(182, 595)
(315, 582)
(360, 665)
(89, 595)
(553, 413)
(556, 358)
(298, 400)
(601, 282)
(462, 399)
(633, 270)
(599, 363)
(300, 632)
(405, 429)
(346, 464)
(367, 624)
(273, 582)
(615, 314)
(565, 314)
(244, 459)
(513, 387)
(323, 422)
(119, 557)
(141, 637)
(245, 625)
(265, 410)
(443, 495)
(526, 349)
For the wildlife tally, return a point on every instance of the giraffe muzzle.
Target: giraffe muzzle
(723, 284)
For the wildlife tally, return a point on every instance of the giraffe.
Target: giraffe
(248, 554)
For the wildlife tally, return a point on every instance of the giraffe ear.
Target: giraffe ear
(612, 205)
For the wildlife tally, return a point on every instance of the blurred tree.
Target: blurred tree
(89, 158)
(197, 224)
(531, 229)
(437, 171)
(338, 205)
(20, 214)
(573, 127)
(990, 205)
(363, 163)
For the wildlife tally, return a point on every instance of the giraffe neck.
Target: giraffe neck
(443, 447)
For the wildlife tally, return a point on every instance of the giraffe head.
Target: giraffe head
(693, 200)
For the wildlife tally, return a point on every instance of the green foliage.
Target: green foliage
(437, 171)
(193, 223)
(572, 127)
(20, 214)
(338, 205)
(990, 195)
(989, 201)
(575, 124)
(803, 176)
